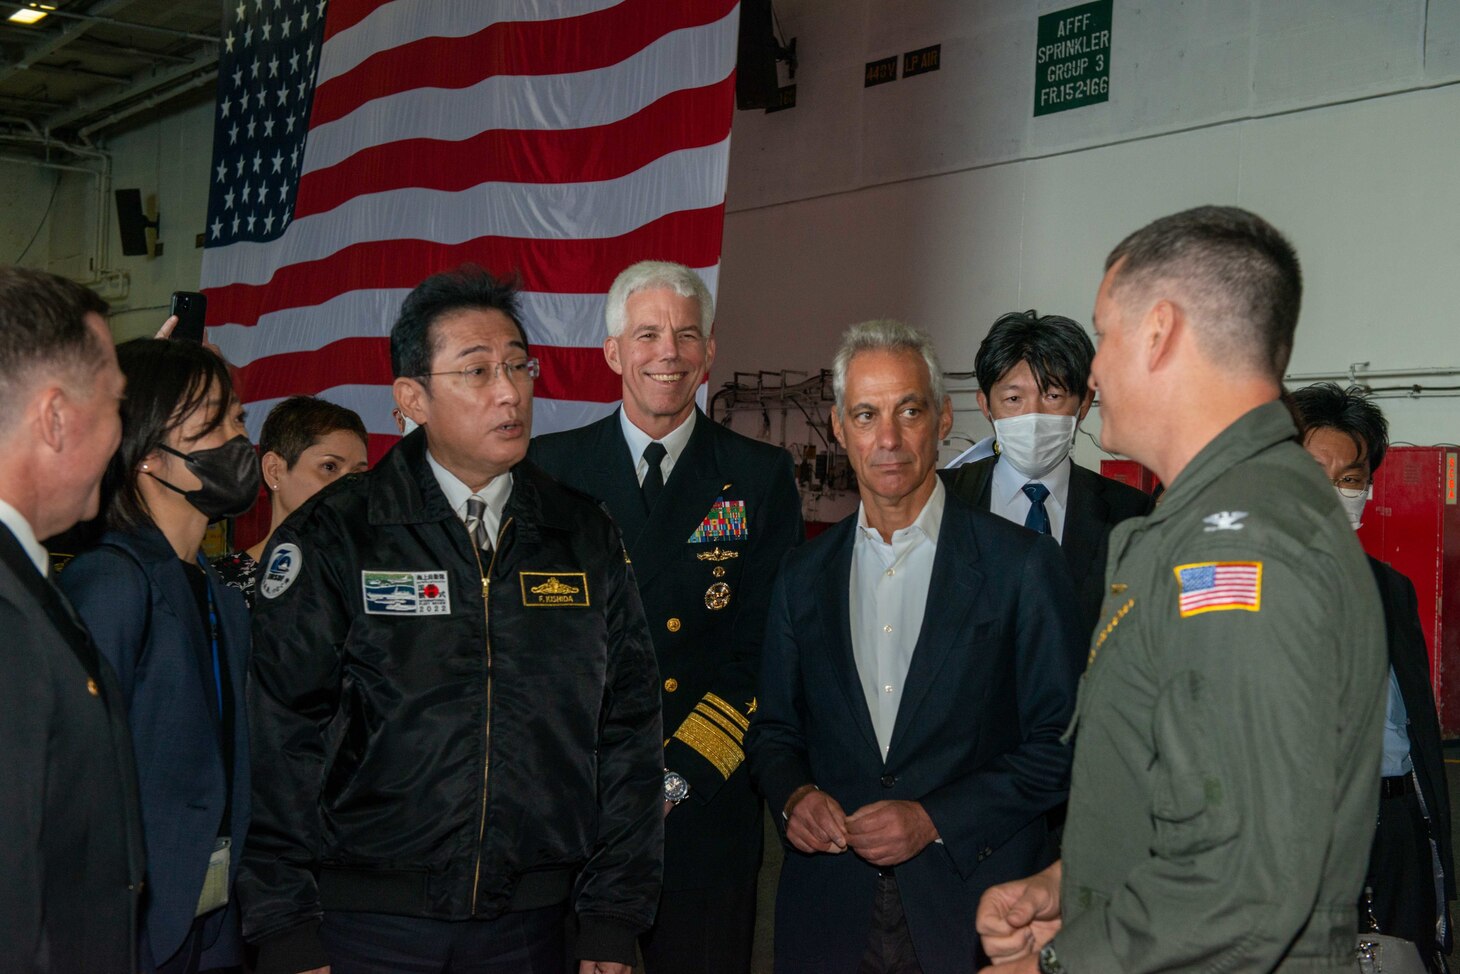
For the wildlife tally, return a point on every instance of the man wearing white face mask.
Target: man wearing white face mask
(1411, 864)
(1033, 374)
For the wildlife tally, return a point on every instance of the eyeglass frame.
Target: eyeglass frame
(530, 366)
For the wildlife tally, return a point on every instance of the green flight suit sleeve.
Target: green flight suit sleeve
(1246, 744)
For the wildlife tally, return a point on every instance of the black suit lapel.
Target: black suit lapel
(1411, 669)
(50, 599)
(1086, 514)
(693, 486)
(618, 484)
(951, 596)
(834, 608)
(169, 574)
(973, 481)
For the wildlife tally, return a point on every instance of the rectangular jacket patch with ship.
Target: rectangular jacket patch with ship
(389, 593)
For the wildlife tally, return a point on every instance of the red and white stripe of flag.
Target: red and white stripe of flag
(558, 140)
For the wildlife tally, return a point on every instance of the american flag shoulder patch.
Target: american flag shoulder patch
(1218, 586)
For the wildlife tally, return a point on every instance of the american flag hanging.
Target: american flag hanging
(362, 145)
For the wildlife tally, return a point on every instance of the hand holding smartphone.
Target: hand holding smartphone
(190, 308)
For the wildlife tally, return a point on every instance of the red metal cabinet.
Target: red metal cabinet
(1413, 523)
(1130, 473)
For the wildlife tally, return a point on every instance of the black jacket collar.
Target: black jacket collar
(403, 490)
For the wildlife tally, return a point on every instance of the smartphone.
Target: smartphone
(190, 308)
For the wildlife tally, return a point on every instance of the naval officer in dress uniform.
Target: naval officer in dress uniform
(706, 514)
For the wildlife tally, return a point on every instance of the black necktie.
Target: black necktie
(653, 477)
(1038, 519)
(476, 526)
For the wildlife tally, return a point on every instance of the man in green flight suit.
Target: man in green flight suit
(1227, 734)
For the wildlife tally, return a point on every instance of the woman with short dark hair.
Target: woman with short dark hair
(306, 444)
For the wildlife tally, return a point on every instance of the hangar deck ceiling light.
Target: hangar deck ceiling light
(32, 14)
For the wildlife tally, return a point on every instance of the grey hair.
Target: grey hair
(884, 334)
(650, 274)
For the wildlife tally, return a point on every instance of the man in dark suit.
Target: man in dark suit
(917, 675)
(1348, 435)
(1033, 376)
(70, 832)
(706, 515)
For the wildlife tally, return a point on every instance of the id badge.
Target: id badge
(215, 882)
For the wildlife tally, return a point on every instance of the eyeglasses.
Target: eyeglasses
(1351, 481)
(480, 374)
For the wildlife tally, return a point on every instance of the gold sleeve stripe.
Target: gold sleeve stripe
(734, 714)
(711, 743)
(729, 726)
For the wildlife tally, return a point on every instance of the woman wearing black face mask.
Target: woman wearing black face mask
(178, 639)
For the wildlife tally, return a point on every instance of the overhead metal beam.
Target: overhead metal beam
(115, 79)
(156, 99)
(81, 23)
(95, 18)
(54, 41)
(36, 102)
(106, 49)
(143, 83)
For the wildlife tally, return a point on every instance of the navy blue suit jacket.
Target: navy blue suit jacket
(990, 690)
(70, 833)
(1095, 504)
(1409, 656)
(135, 598)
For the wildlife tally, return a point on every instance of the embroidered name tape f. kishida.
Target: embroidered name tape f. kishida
(726, 521)
(541, 590)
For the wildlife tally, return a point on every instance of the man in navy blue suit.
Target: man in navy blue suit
(70, 824)
(918, 672)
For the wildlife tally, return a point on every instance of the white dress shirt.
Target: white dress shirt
(674, 444)
(889, 594)
(1008, 500)
(25, 534)
(457, 494)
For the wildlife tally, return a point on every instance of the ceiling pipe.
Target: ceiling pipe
(74, 71)
(22, 102)
(106, 49)
(27, 161)
(41, 140)
(147, 103)
(1359, 372)
(146, 82)
(21, 120)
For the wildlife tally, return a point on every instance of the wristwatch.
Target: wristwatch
(676, 789)
(1049, 962)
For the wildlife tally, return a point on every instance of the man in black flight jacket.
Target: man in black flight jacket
(456, 727)
(707, 515)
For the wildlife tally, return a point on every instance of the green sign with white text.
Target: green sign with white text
(1072, 60)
